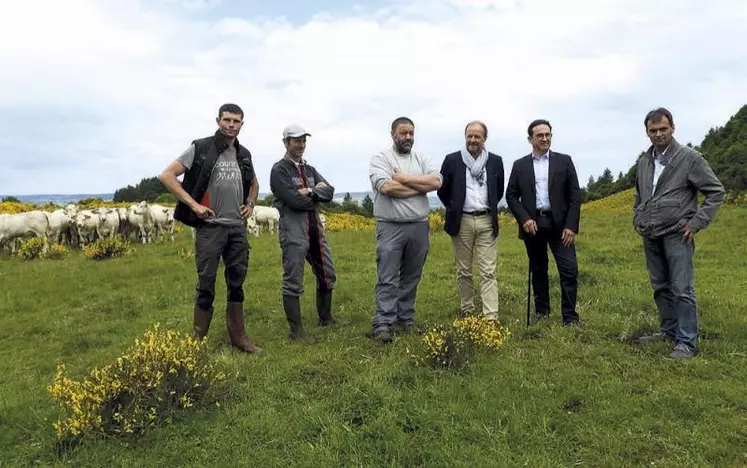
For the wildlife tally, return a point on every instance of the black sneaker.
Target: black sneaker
(682, 351)
(380, 337)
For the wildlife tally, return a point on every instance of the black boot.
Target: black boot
(292, 306)
(324, 308)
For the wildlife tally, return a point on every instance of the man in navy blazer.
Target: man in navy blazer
(544, 196)
(471, 189)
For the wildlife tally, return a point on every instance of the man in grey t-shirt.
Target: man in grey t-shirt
(400, 178)
(217, 197)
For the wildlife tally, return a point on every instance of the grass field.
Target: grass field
(551, 396)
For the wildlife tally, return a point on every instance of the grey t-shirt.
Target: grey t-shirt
(381, 167)
(225, 189)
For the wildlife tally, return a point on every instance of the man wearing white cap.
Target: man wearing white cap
(299, 189)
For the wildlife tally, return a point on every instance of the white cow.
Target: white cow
(251, 226)
(87, 226)
(141, 218)
(124, 225)
(163, 220)
(266, 215)
(22, 225)
(59, 230)
(108, 223)
(323, 219)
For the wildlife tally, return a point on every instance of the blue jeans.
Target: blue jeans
(670, 269)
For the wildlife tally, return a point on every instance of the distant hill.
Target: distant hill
(724, 147)
(59, 199)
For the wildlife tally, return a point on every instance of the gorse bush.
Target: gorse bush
(348, 222)
(102, 249)
(435, 221)
(186, 254)
(162, 374)
(57, 252)
(32, 248)
(452, 347)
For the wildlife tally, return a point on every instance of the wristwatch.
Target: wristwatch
(251, 204)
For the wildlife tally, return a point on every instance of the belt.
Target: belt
(544, 212)
(476, 213)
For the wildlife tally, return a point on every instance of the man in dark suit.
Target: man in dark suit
(471, 189)
(544, 196)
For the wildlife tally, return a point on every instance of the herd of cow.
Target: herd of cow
(142, 222)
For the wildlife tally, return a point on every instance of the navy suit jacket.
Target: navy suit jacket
(454, 188)
(565, 194)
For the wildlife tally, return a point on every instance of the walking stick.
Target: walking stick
(529, 288)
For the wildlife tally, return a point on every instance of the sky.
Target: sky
(96, 95)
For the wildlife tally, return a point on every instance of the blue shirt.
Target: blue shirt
(542, 180)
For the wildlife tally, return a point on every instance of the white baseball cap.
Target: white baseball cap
(294, 131)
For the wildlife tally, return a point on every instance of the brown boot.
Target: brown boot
(202, 318)
(235, 322)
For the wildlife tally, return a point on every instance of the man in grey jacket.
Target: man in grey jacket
(299, 189)
(666, 214)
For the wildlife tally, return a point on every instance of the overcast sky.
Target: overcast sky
(97, 94)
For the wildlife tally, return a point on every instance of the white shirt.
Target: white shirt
(542, 180)
(658, 167)
(476, 195)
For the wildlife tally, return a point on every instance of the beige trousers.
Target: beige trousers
(475, 239)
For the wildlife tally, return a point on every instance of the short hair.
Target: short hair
(232, 108)
(484, 127)
(536, 123)
(656, 115)
(399, 121)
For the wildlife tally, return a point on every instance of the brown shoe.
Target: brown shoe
(235, 323)
(202, 318)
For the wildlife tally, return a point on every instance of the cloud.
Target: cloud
(118, 89)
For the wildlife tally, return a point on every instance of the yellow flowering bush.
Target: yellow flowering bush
(15, 207)
(348, 222)
(451, 347)
(32, 248)
(56, 252)
(161, 374)
(506, 218)
(186, 254)
(102, 249)
(436, 221)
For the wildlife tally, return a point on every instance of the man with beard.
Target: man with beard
(299, 189)
(472, 187)
(216, 198)
(544, 196)
(666, 215)
(401, 178)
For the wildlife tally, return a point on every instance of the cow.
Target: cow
(163, 220)
(23, 225)
(266, 215)
(141, 218)
(87, 226)
(108, 226)
(59, 226)
(323, 219)
(251, 226)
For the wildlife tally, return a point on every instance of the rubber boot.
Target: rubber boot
(324, 308)
(202, 318)
(236, 333)
(292, 306)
